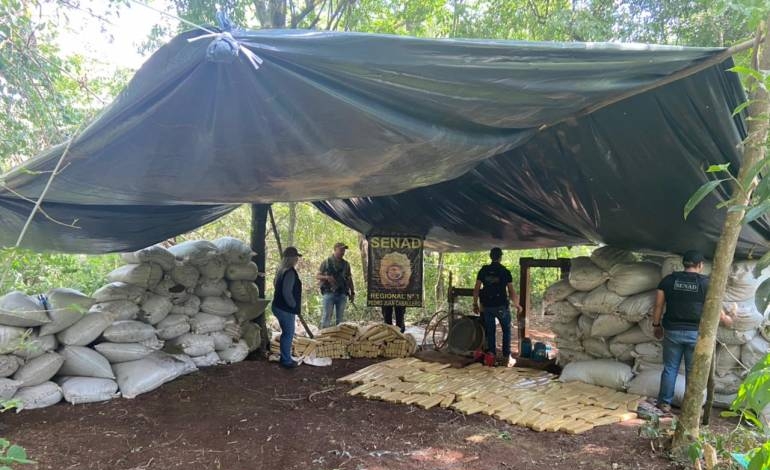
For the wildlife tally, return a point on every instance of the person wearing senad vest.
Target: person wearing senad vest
(683, 294)
(287, 302)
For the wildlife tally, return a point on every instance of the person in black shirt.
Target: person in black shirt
(494, 288)
(287, 302)
(683, 294)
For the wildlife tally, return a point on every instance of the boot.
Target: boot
(489, 360)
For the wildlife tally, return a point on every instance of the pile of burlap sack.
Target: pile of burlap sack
(164, 314)
(602, 319)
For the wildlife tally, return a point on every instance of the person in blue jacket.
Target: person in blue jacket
(287, 302)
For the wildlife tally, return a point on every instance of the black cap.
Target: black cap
(692, 257)
(495, 253)
(340, 245)
(291, 251)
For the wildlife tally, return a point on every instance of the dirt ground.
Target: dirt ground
(254, 415)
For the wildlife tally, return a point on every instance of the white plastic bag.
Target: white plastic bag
(606, 257)
(609, 325)
(153, 254)
(172, 326)
(86, 330)
(65, 308)
(558, 292)
(638, 306)
(221, 306)
(235, 353)
(242, 272)
(155, 309)
(8, 388)
(146, 275)
(214, 269)
(119, 291)
(233, 250)
(601, 300)
(195, 252)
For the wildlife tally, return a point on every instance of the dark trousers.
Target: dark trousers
(387, 315)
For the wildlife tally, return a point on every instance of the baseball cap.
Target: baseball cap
(495, 253)
(291, 251)
(340, 245)
(693, 257)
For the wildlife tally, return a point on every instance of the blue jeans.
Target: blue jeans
(676, 343)
(333, 301)
(286, 320)
(503, 315)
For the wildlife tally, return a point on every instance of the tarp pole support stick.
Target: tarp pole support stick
(258, 233)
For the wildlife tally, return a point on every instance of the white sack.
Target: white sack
(203, 323)
(186, 275)
(649, 352)
(123, 352)
(65, 308)
(606, 257)
(233, 250)
(727, 336)
(191, 344)
(557, 292)
(39, 370)
(584, 275)
(221, 306)
(741, 283)
(195, 252)
(214, 269)
(634, 335)
(576, 299)
(566, 356)
(574, 345)
(745, 315)
(563, 311)
(78, 390)
(143, 375)
(754, 351)
(244, 272)
(727, 358)
(673, 264)
(211, 288)
(9, 364)
(38, 396)
(221, 340)
(8, 388)
(603, 372)
(638, 306)
(237, 352)
(146, 275)
(11, 337)
(727, 384)
(189, 307)
(84, 362)
(86, 330)
(647, 384)
(153, 254)
(19, 309)
(609, 325)
(566, 330)
(129, 331)
(601, 300)
(36, 346)
(210, 359)
(597, 347)
(621, 351)
(244, 291)
(155, 309)
(119, 291)
(172, 326)
(585, 323)
(634, 278)
(120, 309)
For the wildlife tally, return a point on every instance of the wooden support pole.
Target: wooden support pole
(258, 232)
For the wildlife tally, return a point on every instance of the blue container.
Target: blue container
(526, 348)
(541, 351)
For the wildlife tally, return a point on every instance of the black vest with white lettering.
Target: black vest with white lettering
(685, 295)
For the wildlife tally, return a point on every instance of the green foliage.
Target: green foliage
(11, 454)
(752, 399)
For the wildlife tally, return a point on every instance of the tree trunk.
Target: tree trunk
(292, 223)
(258, 246)
(362, 247)
(754, 152)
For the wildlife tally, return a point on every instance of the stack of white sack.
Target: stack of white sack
(603, 311)
(165, 313)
